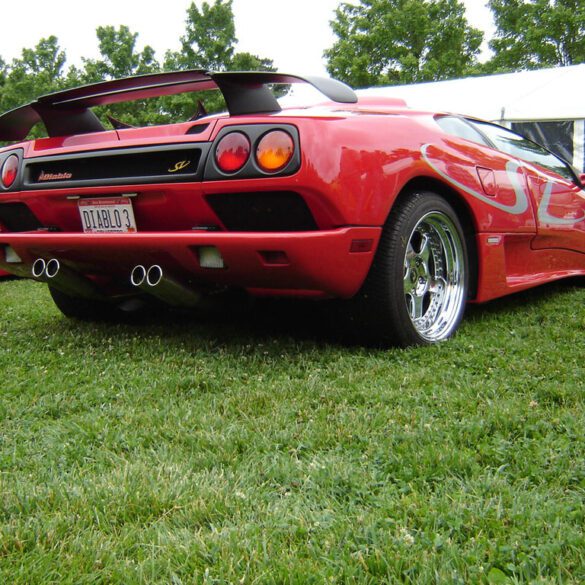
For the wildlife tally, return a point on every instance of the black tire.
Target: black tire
(84, 309)
(416, 289)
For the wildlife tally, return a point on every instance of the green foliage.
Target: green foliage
(119, 56)
(209, 39)
(537, 33)
(3, 75)
(382, 42)
(249, 62)
(250, 448)
(36, 72)
(379, 42)
(209, 44)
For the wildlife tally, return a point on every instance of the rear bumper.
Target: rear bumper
(319, 263)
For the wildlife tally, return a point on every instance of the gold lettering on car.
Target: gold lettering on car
(54, 176)
(179, 166)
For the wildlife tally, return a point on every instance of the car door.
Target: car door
(558, 195)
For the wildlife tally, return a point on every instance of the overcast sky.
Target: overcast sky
(294, 33)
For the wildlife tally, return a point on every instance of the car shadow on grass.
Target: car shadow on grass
(241, 321)
(247, 320)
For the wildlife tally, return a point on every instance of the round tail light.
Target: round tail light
(232, 152)
(9, 171)
(274, 151)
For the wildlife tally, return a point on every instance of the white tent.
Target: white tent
(534, 102)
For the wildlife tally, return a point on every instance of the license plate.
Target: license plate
(112, 215)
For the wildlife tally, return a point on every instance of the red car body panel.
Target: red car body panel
(317, 263)
(355, 160)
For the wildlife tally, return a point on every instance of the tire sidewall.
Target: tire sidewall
(397, 233)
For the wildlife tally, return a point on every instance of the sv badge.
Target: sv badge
(179, 166)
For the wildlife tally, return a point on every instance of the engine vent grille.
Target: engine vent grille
(136, 165)
(17, 217)
(266, 211)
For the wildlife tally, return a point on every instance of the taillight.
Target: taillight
(274, 151)
(9, 171)
(232, 152)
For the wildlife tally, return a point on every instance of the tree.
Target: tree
(38, 71)
(537, 33)
(119, 57)
(382, 42)
(249, 62)
(209, 39)
(209, 43)
(3, 73)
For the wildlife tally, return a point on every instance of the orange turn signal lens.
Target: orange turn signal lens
(274, 151)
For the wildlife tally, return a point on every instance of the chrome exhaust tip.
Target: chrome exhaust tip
(52, 268)
(65, 279)
(138, 275)
(154, 282)
(38, 268)
(154, 275)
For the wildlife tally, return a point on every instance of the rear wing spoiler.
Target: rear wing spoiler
(67, 112)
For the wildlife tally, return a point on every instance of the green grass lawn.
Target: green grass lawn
(247, 448)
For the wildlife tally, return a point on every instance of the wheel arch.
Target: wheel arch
(464, 214)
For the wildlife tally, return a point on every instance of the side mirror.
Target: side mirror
(582, 179)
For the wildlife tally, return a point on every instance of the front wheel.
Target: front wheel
(417, 287)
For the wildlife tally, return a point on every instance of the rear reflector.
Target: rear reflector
(11, 256)
(232, 152)
(210, 257)
(275, 257)
(361, 246)
(9, 171)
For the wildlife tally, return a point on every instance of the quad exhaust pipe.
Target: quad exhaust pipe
(64, 279)
(41, 272)
(153, 281)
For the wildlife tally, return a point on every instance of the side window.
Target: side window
(460, 128)
(520, 147)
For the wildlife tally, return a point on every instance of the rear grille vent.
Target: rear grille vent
(267, 211)
(136, 165)
(17, 217)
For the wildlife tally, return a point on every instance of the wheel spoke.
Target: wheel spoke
(409, 285)
(425, 249)
(410, 256)
(416, 306)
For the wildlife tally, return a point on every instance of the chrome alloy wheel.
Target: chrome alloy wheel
(434, 276)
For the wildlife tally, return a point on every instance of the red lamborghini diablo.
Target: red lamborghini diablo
(407, 215)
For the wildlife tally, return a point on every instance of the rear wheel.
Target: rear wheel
(417, 287)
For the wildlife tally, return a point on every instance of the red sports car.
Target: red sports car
(407, 215)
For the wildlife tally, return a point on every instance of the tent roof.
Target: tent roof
(544, 94)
